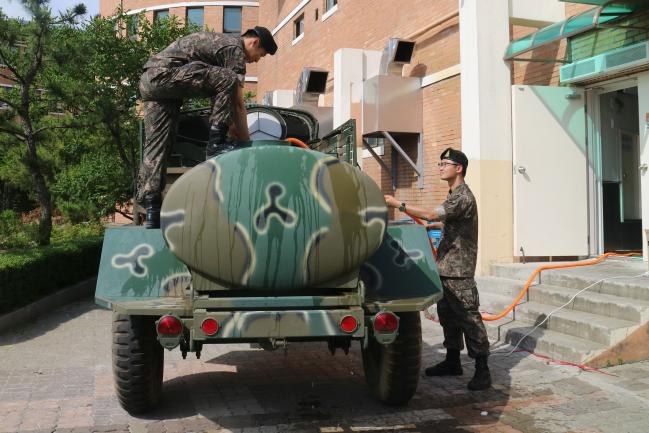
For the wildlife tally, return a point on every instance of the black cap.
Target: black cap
(265, 38)
(456, 156)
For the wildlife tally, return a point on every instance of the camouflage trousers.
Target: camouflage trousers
(163, 91)
(459, 316)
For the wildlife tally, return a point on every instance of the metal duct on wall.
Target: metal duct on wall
(396, 53)
(312, 83)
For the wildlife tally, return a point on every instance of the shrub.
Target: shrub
(29, 275)
(14, 233)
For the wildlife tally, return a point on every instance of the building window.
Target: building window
(377, 144)
(132, 25)
(298, 27)
(160, 15)
(231, 20)
(330, 7)
(195, 16)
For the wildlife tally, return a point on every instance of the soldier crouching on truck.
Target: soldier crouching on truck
(456, 260)
(203, 64)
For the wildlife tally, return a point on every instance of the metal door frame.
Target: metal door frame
(594, 143)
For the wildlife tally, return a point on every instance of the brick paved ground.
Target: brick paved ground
(55, 376)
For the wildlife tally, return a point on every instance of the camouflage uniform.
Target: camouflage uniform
(456, 260)
(202, 64)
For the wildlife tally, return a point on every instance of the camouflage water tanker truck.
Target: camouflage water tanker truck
(269, 244)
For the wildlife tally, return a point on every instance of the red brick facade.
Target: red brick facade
(363, 24)
(213, 19)
(367, 24)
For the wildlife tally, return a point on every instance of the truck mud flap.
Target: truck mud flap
(136, 265)
(402, 274)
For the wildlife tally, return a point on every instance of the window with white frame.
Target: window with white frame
(298, 27)
(231, 19)
(329, 4)
(161, 14)
(330, 7)
(195, 16)
(133, 25)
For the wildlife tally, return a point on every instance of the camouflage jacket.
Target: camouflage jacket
(458, 248)
(216, 49)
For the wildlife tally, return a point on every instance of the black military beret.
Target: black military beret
(456, 156)
(265, 38)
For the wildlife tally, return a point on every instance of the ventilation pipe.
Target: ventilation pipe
(312, 84)
(396, 53)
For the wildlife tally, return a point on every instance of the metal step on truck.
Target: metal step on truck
(268, 244)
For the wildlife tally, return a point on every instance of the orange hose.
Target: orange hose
(543, 268)
(297, 142)
(534, 274)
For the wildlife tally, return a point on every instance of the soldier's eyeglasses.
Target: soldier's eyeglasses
(444, 164)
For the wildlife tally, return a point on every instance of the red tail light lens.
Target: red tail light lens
(170, 325)
(386, 322)
(349, 324)
(210, 326)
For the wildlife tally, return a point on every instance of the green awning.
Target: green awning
(574, 25)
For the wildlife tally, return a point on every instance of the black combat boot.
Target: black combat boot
(152, 202)
(449, 367)
(216, 142)
(482, 378)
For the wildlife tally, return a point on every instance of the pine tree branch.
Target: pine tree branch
(9, 103)
(47, 128)
(6, 64)
(13, 132)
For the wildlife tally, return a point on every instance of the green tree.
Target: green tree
(98, 72)
(25, 48)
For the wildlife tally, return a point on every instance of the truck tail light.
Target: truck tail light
(386, 322)
(169, 326)
(349, 324)
(210, 326)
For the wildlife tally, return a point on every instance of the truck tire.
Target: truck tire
(392, 371)
(138, 362)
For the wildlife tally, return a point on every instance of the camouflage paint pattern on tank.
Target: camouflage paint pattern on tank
(402, 274)
(279, 324)
(137, 265)
(273, 217)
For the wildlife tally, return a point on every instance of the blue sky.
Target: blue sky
(14, 8)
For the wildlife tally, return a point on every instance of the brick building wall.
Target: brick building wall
(362, 24)
(213, 20)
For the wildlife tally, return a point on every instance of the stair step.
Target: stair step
(545, 342)
(632, 310)
(593, 327)
(580, 277)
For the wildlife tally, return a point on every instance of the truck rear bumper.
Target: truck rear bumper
(277, 324)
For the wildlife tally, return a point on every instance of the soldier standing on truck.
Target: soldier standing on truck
(203, 64)
(456, 260)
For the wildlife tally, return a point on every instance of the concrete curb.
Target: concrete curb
(47, 304)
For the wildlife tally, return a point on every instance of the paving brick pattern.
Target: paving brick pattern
(55, 376)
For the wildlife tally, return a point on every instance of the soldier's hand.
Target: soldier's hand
(391, 201)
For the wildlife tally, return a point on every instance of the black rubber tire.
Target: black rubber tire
(138, 362)
(392, 371)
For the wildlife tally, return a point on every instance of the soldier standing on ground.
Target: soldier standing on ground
(203, 64)
(456, 260)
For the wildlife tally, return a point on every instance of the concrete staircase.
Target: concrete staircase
(596, 320)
